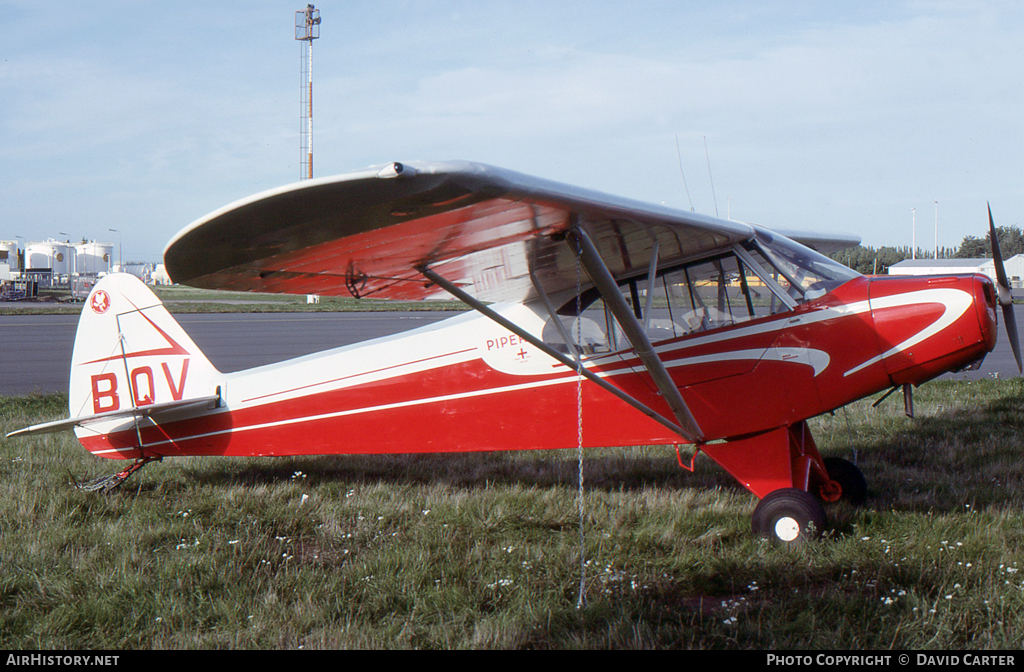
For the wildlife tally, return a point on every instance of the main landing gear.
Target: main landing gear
(791, 516)
(783, 467)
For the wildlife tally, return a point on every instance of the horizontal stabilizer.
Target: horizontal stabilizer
(153, 411)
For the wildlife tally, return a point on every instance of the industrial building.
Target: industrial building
(52, 264)
(1014, 268)
(8, 259)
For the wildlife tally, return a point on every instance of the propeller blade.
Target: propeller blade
(1011, 333)
(997, 257)
(1003, 290)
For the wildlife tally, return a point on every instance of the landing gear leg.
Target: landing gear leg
(105, 484)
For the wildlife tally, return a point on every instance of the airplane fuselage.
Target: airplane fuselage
(467, 384)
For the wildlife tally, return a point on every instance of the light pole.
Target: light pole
(913, 224)
(120, 259)
(307, 29)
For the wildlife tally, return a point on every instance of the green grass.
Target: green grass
(483, 550)
(180, 299)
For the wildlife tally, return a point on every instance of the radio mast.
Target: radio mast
(307, 29)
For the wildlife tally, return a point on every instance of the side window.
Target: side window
(703, 295)
(718, 292)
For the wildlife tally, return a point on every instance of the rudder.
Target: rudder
(131, 353)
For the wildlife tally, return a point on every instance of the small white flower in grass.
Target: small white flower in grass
(303, 499)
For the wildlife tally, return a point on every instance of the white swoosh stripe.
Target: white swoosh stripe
(955, 303)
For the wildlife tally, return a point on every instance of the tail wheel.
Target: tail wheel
(789, 516)
(853, 486)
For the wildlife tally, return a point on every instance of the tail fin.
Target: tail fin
(130, 353)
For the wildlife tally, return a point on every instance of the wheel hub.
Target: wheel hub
(831, 491)
(787, 528)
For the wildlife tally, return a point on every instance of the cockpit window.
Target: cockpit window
(804, 273)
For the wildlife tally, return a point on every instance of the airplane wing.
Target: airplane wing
(485, 229)
(825, 243)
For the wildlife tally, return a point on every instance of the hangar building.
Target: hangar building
(1014, 268)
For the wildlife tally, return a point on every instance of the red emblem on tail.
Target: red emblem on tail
(100, 302)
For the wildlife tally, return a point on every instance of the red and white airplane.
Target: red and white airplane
(680, 329)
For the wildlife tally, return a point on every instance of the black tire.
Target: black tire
(789, 517)
(849, 477)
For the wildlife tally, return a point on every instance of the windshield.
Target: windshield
(806, 274)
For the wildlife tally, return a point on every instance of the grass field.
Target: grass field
(181, 299)
(486, 550)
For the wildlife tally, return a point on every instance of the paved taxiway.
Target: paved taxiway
(35, 350)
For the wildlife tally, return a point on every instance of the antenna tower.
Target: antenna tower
(307, 29)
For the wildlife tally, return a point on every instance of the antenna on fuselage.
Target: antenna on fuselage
(708, 157)
(679, 155)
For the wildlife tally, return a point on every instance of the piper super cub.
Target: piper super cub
(685, 330)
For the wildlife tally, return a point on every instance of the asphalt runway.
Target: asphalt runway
(36, 349)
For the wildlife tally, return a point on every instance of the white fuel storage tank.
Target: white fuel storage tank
(93, 258)
(50, 254)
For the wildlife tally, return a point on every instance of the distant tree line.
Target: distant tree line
(876, 261)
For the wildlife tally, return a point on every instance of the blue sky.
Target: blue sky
(144, 116)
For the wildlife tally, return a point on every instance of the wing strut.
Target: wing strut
(588, 255)
(554, 354)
